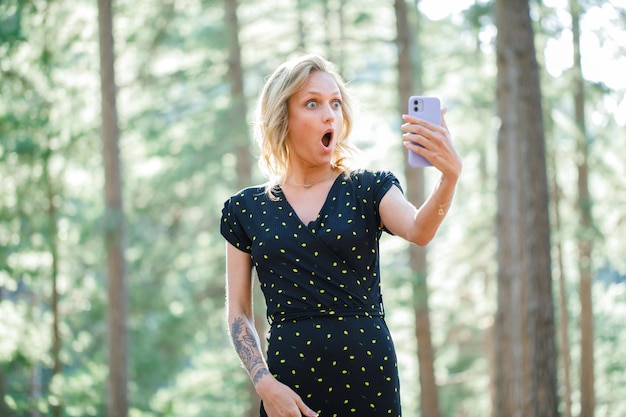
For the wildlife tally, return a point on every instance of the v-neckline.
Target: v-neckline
(318, 216)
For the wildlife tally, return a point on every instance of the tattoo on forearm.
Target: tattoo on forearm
(247, 348)
(259, 374)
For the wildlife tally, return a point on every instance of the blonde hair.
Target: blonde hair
(272, 126)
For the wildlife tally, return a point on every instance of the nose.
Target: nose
(328, 113)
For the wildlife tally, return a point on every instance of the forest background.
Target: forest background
(184, 137)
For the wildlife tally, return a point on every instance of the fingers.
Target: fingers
(422, 127)
(281, 400)
(433, 142)
(306, 411)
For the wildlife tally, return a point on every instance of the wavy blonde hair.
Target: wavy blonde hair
(272, 116)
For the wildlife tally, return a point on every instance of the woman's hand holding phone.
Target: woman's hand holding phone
(427, 138)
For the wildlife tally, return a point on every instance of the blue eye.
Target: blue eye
(337, 104)
(311, 104)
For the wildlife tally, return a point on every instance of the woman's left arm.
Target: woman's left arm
(399, 215)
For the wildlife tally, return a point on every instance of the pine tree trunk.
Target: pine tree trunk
(429, 398)
(585, 235)
(117, 405)
(509, 361)
(526, 378)
(57, 410)
(240, 139)
(563, 310)
(239, 134)
(4, 408)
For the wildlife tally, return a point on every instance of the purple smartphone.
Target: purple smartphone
(426, 108)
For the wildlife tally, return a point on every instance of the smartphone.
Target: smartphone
(425, 108)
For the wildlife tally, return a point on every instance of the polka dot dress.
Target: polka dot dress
(328, 340)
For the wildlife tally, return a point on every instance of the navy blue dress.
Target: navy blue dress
(328, 339)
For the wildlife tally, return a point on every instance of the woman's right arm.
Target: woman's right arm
(278, 399)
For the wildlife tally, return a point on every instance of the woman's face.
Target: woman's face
(315, 121)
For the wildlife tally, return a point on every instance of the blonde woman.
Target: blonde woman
(311, 233)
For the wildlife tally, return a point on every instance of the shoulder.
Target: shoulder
(373, 178)
(246, 198)
(249, 193)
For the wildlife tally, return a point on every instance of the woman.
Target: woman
(312, 233)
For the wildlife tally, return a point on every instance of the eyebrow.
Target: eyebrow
(319, 93)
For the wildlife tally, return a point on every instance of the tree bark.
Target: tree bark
(563, 310)
(509, 390)
(429, 398)
(238, 110)
(57, 410)
(241, 140)
(117, 405)
(585, 235)
(526, 379)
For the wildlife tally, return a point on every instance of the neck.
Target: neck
(308, 181)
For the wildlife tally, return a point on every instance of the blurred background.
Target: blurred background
(187, 74)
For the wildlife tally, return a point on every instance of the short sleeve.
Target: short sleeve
(231, 226)
(383, 181)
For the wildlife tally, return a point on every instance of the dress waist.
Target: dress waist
(338, 312)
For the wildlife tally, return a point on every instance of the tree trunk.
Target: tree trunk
(117, 405)
(301, 21)
(241, 141)
(509, 389)
(238, 111)
(563, 310)
(585, 235)
(526, 379)
(35, 385)
(57, 410)
(4, 408)
(429, 398)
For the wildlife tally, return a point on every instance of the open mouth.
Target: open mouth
(326, 139)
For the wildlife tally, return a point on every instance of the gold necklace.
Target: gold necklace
(307, 186)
